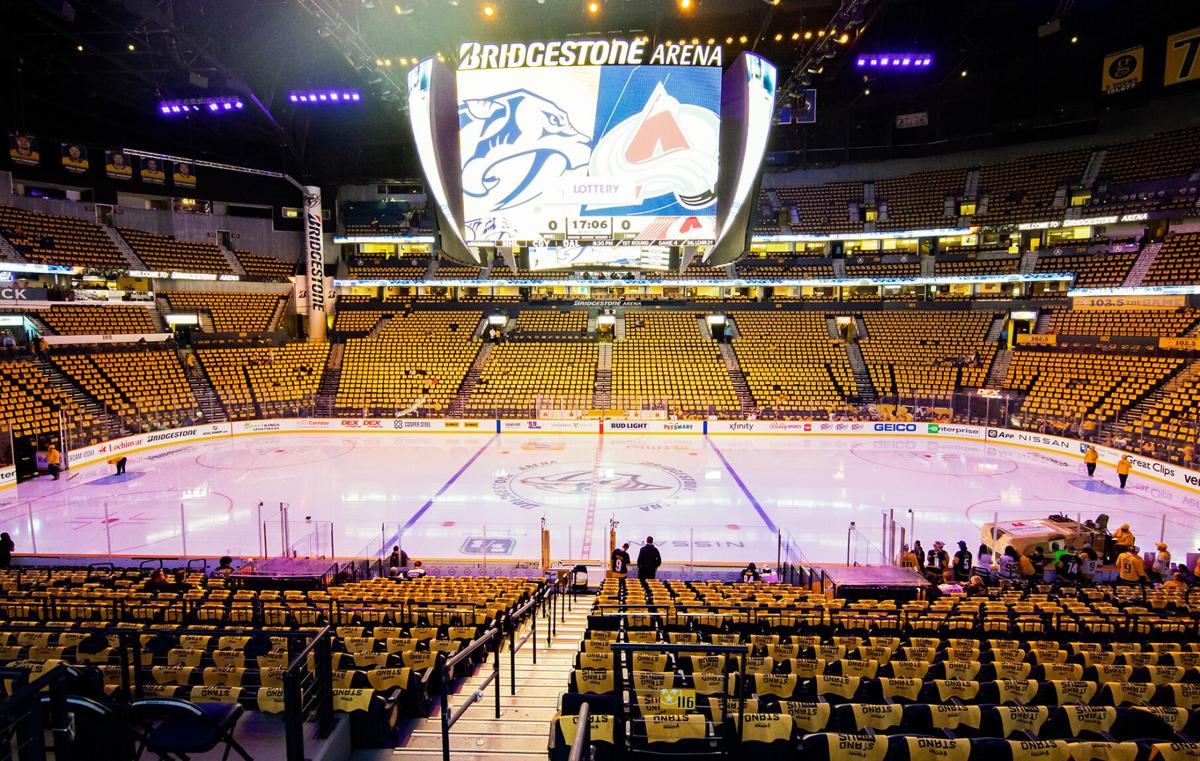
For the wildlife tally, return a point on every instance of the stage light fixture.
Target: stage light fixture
(894, 61)
(132, 48)
(742, 39)
(778, 37)
(214, 105)
(489, 10)
(1074, 40)
(962, 73)
(808, 35)
(795, 36)
(844, 38)
(685, 5)
(593, 7)
(338, 95)
(728, 40)
(711, 40)
(79, 48)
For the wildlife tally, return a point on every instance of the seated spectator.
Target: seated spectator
(983, 561)
(224, 568)
(415, 572)
(750, 573)
(1178, 582)
(1066, 568)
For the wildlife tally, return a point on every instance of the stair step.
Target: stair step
(473, 743)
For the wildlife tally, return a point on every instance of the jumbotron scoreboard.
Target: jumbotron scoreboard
(591, 145)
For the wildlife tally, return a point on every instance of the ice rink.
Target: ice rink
(719, 498)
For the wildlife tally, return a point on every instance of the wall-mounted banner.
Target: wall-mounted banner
(1122, 70)
(153, 172)
(1183, 57)
(118, 166)
(1037, 339)
(75, 157)
(554, 53)
(314, 257)
(23, 149)
(1183, 343)
(183, 175)
(1128, 302)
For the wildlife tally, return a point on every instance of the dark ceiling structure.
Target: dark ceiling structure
(1003, 70)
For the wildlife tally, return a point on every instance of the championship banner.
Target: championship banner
(183, 175)
(1128, 302)
(118, 166)
(1037, 339)
(74, 157)
(1122, 70)
(23, 149)
(1182, 343)
(314, 258)
(152, 172)
(1183, 52)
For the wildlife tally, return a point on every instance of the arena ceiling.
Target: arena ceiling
(95, 70)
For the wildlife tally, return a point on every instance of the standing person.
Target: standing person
(397, 560)
(53, 460)
(1090, 458)
(938, 559)
(1025, 566)
(908, 558)
(962, 563)
(1162, 563)
(7, 545)
(1130, 568)
(648, 560)
(618, 566)
(1009, 566)
(919, 551)
(983, 561)
(1123, 468)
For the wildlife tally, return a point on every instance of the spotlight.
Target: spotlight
(685, 5)
(1074, 40)
(844, 38)
(962, 73)
(327, 96)
(132, 48)
(711, 40)
(489, 10)
(593, 7)
(778, 37)
(742, 39)
(867, 91)
(293, 97)
(728, 40)
(795, 36)
(79, 48)
(808, 35)
(695, 40)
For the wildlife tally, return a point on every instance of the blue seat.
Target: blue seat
(178, 727)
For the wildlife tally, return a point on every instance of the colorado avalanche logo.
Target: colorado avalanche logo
(516, 145)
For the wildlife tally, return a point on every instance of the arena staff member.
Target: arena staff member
(1090, 458)
(1123, 468)
(120, 462)
(649, 560)
(53, 460)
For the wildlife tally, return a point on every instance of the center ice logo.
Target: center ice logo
(572, 484)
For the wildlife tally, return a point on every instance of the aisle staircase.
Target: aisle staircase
(330, 377)
(1186, 374)
(68, 388)
(999, 369)
(10, 254)
(131, 257)
(602, 390)
(1028, 263)
(470, 380)
(862, 376)
(231, 259)
(522, 731)
(202, 389)
(1145, 260)
(737, 378)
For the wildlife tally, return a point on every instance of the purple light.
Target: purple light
(213, 106)
(326, 96)
(175, 109)
(896, 60)
(239, 104)
(165, 109)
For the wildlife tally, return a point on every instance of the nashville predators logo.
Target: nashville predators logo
(578, 485)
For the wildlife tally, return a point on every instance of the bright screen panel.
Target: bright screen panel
(627, 154)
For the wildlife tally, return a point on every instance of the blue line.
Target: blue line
(425, 507)
(742, 485)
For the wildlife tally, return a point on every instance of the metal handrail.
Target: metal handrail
(726, 698)
(583, 733)
(294, 705)
(450, 719)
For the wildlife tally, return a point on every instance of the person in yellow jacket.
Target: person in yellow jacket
(119, 462)
(1090, 458)
(53, 460)
(1123, 538)
(1123, 468)
(1026, 569)
(1130, 568)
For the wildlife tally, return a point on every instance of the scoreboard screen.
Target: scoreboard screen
(623, 155)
